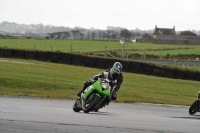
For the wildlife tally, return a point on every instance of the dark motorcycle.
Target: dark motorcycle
(195, 107)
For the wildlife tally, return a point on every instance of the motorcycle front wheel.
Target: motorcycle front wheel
(194, 107)
(91, 103)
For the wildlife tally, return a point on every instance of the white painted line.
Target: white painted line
(18, 62)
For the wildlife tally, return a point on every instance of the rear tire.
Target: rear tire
(75, 107)
(92, 104)
(194, 107)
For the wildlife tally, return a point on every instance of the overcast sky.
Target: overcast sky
(98, 14)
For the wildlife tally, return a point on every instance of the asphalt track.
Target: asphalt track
(31, 115)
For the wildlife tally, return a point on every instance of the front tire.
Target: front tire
(194, 107)
(92, 103)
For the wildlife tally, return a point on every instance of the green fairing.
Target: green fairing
(96, 86)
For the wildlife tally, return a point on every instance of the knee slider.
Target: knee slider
(114, 96)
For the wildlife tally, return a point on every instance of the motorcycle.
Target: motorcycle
(195, 107)
(92, 96)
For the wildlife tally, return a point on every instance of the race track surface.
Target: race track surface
(29, 115)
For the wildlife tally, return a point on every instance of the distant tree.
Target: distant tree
(93, 33)
(100, 34)
(126, 34)
(51, 36)
(88, 34)
(63, 35)
(66, 35)
(114, 35)
(109, 34)
(75, 33)
(81, 34)
(123, 32)
(58, 36)
(104, 34)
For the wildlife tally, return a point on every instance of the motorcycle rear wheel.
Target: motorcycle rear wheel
(194, 107)
(75, 108)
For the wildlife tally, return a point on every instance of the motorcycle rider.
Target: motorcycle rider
(116, 78)
(111, 74)
(114, 89)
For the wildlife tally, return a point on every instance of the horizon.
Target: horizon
(99, 29)
(99, 14)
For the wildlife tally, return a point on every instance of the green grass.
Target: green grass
(85, 46)
(170, 52)
(51, 80)
(59, 45)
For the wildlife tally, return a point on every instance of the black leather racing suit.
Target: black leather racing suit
(105, 74)
(113, 94)
(114, 89)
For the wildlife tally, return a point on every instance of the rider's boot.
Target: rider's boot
(79, 93)
(86, 84)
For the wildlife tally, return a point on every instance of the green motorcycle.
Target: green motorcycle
(92, 96)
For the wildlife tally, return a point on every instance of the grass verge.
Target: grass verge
(32, 78)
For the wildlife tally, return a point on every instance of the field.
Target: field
(83, 46)
(48, 80)
(30, 78)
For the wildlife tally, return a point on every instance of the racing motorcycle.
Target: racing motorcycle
(92, 96)
(195, 107)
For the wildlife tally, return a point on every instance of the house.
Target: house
(164, 31)
(168, 36)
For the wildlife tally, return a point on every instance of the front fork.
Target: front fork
(85, 94)
(83, 102)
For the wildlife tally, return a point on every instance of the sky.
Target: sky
(99, 14)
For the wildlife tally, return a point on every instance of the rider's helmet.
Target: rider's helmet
(114, 73)
(118, 65)
(105, 84)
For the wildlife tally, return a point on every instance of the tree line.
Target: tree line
(109, 34)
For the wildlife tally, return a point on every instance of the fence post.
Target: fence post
(144, 56)
(17, 43)
(127, 50)
(45, 44)
(71, 47)
(174, 60)
(106, 51)
(88, 49)
(34, 43)
(123, 49)
(51, 45)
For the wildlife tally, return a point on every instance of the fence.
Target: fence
(103, 63)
